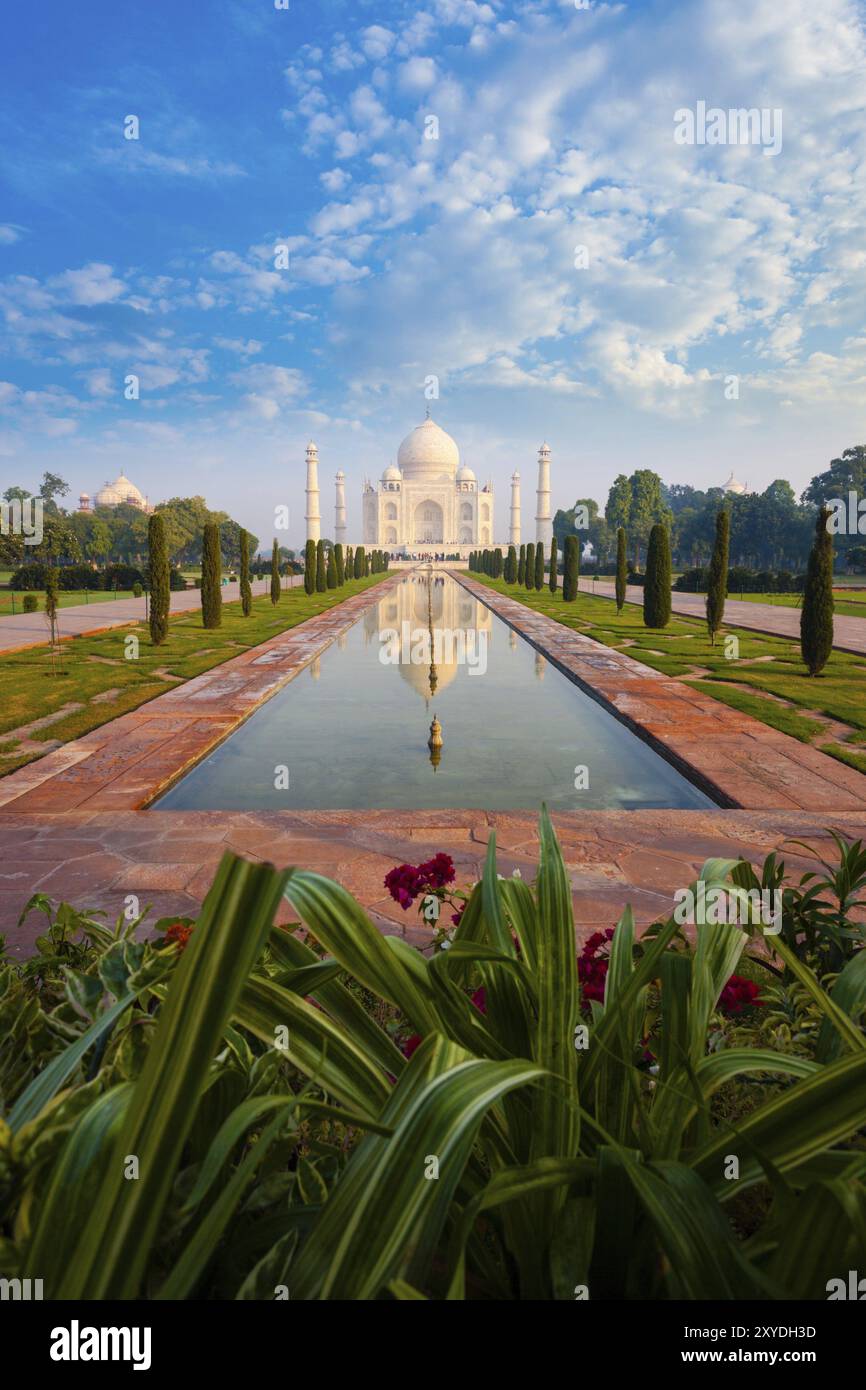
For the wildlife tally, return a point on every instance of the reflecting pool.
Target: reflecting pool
(353, 730)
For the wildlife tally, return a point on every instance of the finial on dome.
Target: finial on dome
(428, 413)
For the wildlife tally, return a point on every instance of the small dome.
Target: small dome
(465, 474)
(119, 492)
(734, 485)
(428, 453)
(392, 474)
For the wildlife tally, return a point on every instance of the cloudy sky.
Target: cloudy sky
(411, 257)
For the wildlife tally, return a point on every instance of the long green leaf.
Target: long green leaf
(229, 936)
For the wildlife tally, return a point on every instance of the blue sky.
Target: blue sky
(411, 257)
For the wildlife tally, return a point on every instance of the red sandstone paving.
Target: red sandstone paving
(613, 857)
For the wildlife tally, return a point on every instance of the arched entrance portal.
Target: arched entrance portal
(429, 524)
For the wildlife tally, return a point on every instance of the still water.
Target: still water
(352, 730)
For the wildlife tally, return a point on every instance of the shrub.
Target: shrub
(331, 572)
(360, 562)
(310, 568)
(816, 616)
(160, 590)
(521, 566)
(31, 603)
(621, 582)
(137, 590)
(176, 580)
(510, 566)
(552, 580)
(570, 569)
(717, 587)
(657, 581)
(340, 564)
(114, 577)
(539, 565)
(211, 577)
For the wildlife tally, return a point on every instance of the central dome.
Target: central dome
(428, 453)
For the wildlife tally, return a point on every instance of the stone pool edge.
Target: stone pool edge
(738, 761)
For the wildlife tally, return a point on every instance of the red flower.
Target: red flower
(411, 1043)
(592, 967)
(739, 994)
(180, 933)
(407, 881)
(479, 999)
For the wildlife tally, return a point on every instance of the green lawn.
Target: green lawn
(839, 693)
(851, 606)
(66, 598)
(93, 673)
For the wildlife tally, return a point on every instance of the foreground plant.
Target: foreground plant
(539, 1143)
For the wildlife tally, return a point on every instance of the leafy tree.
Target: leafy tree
(276, 586)
(621, 569)
(321, 576)
(816, 615)
(552, 581)
(570, 569)
(160, 585)
(717, 588)
(211, 576)
(245, 586)
(657, 581)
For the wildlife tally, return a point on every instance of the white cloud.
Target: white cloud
(418, 74)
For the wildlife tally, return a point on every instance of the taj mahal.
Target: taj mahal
(428, 500)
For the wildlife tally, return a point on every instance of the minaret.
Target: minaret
(340, 510)
(312, 518)
(543, 523)
(514, 522)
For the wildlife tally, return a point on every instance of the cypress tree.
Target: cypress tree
(511, 565)
(621, 568)
(275, 574)
(529, 572)
(521, 565)
(570, 569)
(552, 581)
(539, 565)
(331, 574)
(350, 563)
(359, 562)
(246, 587)
(717, 587)
(321, 578)
(211, 574)
(657, 579)
(497, 564)
(338, 561)
(816, 616)
(160, 591)
(51, 609)
(310, 567)
(387, 562)
(366, 564)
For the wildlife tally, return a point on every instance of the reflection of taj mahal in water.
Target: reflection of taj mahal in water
(429, 604)
(428, 500)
